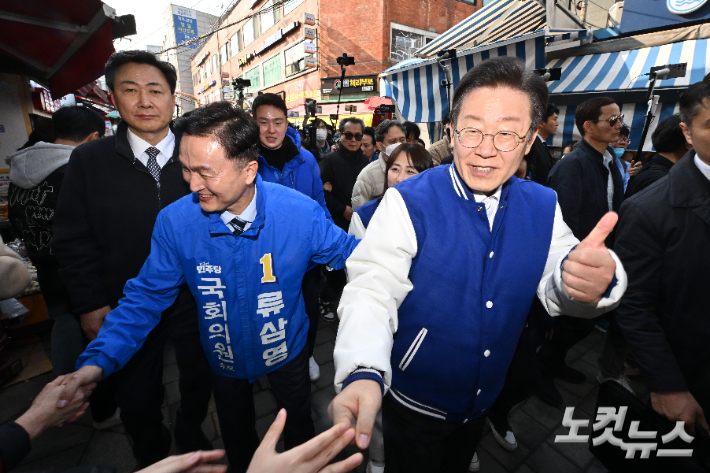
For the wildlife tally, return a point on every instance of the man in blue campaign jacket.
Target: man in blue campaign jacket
(458, 310)
(242, 246)
(281, 160)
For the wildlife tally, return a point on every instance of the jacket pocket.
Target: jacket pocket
(413, 348)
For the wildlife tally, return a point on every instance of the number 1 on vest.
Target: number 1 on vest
(268, 268)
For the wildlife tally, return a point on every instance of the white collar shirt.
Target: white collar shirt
(491, 203)
(703, 167)
(247, 216)
(139, 145)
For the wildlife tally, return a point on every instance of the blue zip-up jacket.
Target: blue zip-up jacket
(301, 173)
(247, 287)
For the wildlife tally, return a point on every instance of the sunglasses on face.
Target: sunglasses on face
(349, 136)
(612, 120)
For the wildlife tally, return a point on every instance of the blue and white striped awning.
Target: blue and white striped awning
(624, 70)
(499, 20)
(416, 83)
(634, 117)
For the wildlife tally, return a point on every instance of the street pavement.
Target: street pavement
(535, 423)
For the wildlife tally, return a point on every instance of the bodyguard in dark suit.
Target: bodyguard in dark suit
(539, 158)
(588, 185)
(113, 190)
(663, 241)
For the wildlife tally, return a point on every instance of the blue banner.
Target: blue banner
(185, 22)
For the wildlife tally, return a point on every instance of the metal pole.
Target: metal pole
(652, 102)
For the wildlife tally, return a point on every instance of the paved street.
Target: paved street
(535, 423)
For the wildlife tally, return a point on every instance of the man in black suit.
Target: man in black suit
(539, 159)
(663, 240)
(112, 192)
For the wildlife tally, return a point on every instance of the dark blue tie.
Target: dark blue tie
(153, 163)
(237, 225)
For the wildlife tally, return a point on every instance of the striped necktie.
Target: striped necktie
(237, 225)
(152, 166)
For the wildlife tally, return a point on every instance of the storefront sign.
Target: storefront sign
(268, 42)
(185, 22)
(309, 33)
(642, 15)
(682, 7)
(309, 19)
(297, 92)
(351, 85)
(310, 61)
(309, 47)
(290, 27)
(225, 75)
(202, 58)
(243, 61)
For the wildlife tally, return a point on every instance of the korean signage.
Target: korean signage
(309, 33)
(297, 92)
(272, 70)
(309, 47)
(351, 85)
(644, 14)
(309, 19)
(254, 75)
(185, 21)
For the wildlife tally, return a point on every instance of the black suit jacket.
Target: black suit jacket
(105, 216)
(540, 162)
(663, 241)
(580, 180)
(656, 168)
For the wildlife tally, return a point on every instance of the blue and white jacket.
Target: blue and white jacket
(247, 287)
(300, 173)
(454, 288)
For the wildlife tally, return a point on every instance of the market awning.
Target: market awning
(62, 44)
(416, 83)
(499, 20)
(625, 70)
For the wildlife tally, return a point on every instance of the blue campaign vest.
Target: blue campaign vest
(472, 290)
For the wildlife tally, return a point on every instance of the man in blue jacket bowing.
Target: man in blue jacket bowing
(243, 246)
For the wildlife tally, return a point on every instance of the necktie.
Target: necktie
(152, 166)
(237, 225)
(610, 182)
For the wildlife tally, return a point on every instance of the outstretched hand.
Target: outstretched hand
(310, 457)
(359, 402)
(589, 268)
(83, 379)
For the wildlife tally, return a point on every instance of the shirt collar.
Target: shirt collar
(248, 215)
(702, 166)
(463, 191)
(139, 145)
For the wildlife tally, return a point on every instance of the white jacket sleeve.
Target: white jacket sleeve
(356, 228)
(378, 270)
(551, 291)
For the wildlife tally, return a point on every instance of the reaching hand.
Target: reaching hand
(348, 214)
(195, 462)
(83, 380)
(589, 268)
(679, 406)
(360, 400)
(307, 458)
(92, 322)
(634, 168)
(44, 412)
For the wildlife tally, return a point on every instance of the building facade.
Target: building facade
(290, 47)
(184, 24)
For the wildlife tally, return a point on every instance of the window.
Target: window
(208, 68)
(272, 70)
(215, 62)
(224, 53)
(248, 30)
(254, 75)
(295, 58)
(234, 43)
(267, 17)
(405, 41)
(291, 6)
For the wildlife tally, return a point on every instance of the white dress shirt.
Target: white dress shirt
(704, 168)
(139, 145)
(247, 216)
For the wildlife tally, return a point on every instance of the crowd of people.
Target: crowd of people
(459, 292)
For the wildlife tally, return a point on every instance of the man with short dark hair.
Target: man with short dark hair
(282, 161)
(411, 131)
(370, 182)
(663, 240)
(439, 380)
(368, 143)
(670, 145)
(442, 148)
(540, 160)
(36, 175)
(226, 241)
(588, 185)
(113, 190)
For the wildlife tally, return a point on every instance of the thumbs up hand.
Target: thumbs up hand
(589, 268)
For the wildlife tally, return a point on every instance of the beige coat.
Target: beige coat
(370, 183)
(440, 150)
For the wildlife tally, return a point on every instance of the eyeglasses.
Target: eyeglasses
(621, 139)
(503, 141)
(349, 136)
(612, 120)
